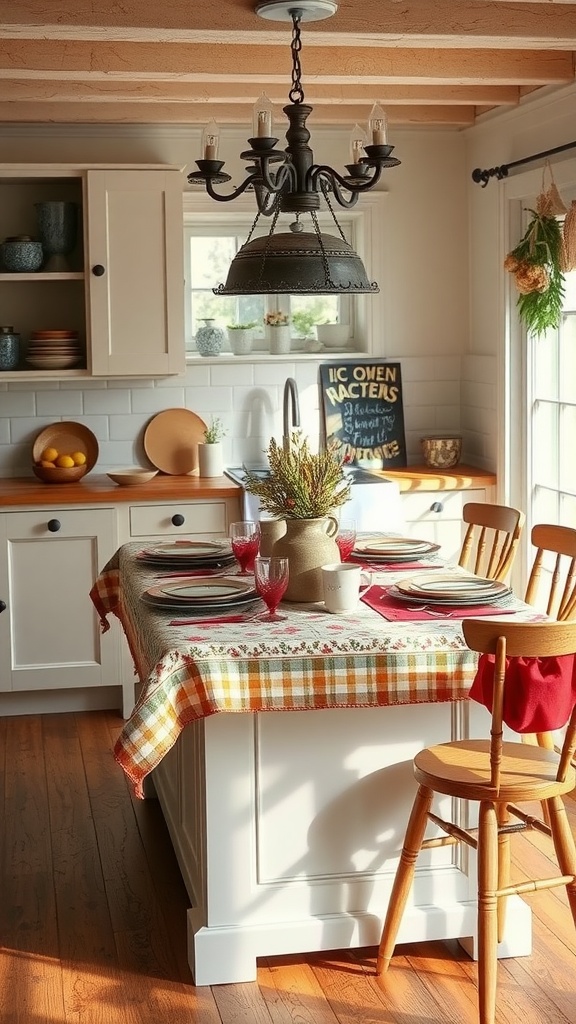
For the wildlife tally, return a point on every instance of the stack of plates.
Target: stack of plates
(190, 554)
(204, 595)
(53, 350)
(393, 549)
(449, 588)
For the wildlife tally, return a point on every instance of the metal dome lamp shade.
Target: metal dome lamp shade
(297, 261)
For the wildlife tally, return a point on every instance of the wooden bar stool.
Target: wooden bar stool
(491, 539)
(498, 775)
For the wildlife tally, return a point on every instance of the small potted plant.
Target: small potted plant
(278, 332)
(240, 337)
(210, 453)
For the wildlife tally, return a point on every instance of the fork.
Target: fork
(430, 611)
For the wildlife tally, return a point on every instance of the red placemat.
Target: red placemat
(394, 610)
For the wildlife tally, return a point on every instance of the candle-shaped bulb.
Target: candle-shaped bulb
(210, 140)
(378, 126)
(262, 118)
(357, 142)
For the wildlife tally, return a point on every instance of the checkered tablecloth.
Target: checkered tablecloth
(310, 660)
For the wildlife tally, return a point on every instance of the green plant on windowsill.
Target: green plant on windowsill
(242, 327)
(215, 432)
(304, 321)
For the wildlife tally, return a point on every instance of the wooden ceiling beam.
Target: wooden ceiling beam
(482, 23)
(76, 89)
(195, 116)
(250, 64)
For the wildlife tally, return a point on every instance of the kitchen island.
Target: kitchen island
(282, 759)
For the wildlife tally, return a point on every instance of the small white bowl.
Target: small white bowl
(333, 335)
(132, 476)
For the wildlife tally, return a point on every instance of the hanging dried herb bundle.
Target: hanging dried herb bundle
(535, 263)
(301, 485)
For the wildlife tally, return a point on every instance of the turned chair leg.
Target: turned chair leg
(564, 846)
(503, 869)
(404, 876)
(487, 911)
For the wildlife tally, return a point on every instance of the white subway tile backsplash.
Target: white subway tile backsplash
(109, 401)
(248, 399)
(59, 403)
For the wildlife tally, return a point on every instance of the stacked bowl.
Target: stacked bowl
(53, 350)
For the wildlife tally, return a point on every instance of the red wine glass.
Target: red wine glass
(245, 538)
(346, 538)
(271, 578)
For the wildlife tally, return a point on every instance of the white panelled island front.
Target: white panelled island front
(282, 760)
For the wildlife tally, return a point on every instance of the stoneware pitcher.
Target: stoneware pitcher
(308, 544)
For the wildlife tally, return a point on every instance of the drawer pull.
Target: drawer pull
(2, 606)
(178, 520)
(98, 270)
(437, 506)
(54, 525)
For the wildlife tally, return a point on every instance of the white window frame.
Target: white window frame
(363, 227)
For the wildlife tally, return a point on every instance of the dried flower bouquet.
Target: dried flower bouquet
(301, 485)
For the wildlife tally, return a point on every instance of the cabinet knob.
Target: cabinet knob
(178, 520)
(54, 525)
(98, 270)
(437, 506)
(2, 606)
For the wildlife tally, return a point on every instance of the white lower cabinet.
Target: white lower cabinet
(50, 637)
(437, 516)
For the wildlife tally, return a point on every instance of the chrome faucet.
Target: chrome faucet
(291, 411)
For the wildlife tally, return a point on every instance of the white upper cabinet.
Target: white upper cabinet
(121, 289)
(135, 280)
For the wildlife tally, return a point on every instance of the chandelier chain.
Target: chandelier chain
(296, 94)
(324, 188)
(327, 275)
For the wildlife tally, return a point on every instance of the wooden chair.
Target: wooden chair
(560, 599)
(491, 539)
(498, 775)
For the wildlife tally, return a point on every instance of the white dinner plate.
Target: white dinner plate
(161, 602)
(393, 547)
(207, 589)
(451, 585)
(189, 548)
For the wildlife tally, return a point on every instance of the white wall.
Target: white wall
(423, 277)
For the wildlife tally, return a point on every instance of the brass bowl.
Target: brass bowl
(60, 474)
(441, 452)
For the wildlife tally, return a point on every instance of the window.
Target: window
(552, 418)
(212, 237)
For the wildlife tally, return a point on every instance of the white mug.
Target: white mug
(343, 585)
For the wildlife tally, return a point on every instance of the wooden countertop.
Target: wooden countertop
(422, 478)
(98, 489)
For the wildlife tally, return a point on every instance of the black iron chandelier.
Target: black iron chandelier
(288, 181)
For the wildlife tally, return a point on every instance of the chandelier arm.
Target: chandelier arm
(286, 172)
(322, 172)
(249, 180)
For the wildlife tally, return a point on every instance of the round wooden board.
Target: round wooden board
(171, 441)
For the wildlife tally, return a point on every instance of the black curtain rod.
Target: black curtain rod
(482, 177)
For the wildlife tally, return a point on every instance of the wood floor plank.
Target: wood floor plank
(30, 972)
(93, 916)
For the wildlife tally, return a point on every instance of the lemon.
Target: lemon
(49, 455)
(64, 461)
(78, 458)
(46, 464)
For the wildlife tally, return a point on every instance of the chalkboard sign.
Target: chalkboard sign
(363, 410)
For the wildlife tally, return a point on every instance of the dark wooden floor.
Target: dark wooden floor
(92, 916)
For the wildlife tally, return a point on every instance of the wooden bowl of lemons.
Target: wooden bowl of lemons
(55, 467)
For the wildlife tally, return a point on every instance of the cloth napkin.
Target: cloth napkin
(394, 610)
(539, 693)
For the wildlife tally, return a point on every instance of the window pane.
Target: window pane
(566, 459)
(567, 356)
(545, 365)
(545, 444)
(308, 310)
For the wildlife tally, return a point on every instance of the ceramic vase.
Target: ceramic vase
(9, 349)
(209, 339)
(270, 531)
(240, 340)
(279, 336)
(210, 459)
(308, 544)
(57, 228)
